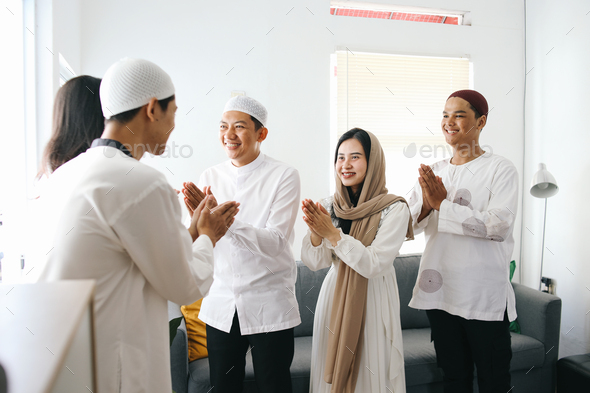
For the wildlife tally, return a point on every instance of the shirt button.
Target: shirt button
(233, 254)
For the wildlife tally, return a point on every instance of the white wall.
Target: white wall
(66, 32)
(50, 28)
(198, 43)
(557, 134)
(13, 174)
(57, 30)
(45, 30)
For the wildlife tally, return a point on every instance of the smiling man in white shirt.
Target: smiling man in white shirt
(117, 221)
(252, 302)
(466, 206)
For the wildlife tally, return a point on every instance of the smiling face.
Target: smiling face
(351, 164)
(459, 125)
(239, 137)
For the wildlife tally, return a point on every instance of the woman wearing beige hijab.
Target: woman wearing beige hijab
(357, 341)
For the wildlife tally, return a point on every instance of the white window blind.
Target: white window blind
(400, 99)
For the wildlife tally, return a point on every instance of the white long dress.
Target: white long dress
(382, 360)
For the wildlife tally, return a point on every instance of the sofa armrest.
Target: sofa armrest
(179, 360)
(539, 316)
(178, 353)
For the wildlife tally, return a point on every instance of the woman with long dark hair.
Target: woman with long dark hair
(357, 341)
(77, 121)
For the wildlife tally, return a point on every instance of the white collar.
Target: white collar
(248, 167)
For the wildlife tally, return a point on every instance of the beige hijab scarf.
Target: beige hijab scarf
(347, 320)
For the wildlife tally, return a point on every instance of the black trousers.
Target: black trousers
(459, 343)
(272, 354)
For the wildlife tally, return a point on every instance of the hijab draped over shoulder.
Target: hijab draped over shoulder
(350, 294)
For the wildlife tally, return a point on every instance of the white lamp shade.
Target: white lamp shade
(543, 184)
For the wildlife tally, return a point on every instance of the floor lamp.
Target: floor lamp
(543, 186)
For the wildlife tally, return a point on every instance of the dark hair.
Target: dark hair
(477, 114)
(127, 116)
(363, 137)
(77, 121)
(257, 124)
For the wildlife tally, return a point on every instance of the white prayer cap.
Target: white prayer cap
(247, 105)
(132, 83)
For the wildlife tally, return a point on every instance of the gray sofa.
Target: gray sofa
(534, 358)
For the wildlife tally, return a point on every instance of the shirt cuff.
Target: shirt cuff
(307, 238)
(202, 241)
(328, 243)
(424, 222)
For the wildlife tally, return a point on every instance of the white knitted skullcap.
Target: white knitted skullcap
(132, 83)
(247, 105)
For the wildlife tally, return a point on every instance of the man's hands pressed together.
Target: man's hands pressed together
(433, 191)
(207, 217)
(193, 195)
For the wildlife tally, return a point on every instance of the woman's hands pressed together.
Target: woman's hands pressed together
(319, 222)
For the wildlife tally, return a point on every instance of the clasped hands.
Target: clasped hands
(319, 222)
(207, 217)
(433, 190)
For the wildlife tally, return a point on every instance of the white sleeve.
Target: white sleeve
(271, 240)
(496, 221)
(315, 258)
(161, 247)
(185, 215)
(370, 261)
(415, 204)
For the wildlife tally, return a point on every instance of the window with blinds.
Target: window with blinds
(400, 99)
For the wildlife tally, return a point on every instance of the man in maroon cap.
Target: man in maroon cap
(466, 206)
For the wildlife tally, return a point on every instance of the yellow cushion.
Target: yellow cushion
(195, 329)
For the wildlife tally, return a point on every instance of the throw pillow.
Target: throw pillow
(196, 331)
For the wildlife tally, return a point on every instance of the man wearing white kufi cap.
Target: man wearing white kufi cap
(251, 302)
(118, 222)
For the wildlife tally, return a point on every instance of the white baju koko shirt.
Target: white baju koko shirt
(465, 267)
(255, 270)
(382, 352)
(115, 220)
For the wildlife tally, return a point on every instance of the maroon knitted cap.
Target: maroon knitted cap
(476, 100)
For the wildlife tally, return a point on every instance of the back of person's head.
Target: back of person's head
(129, 84)
(77, 121)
